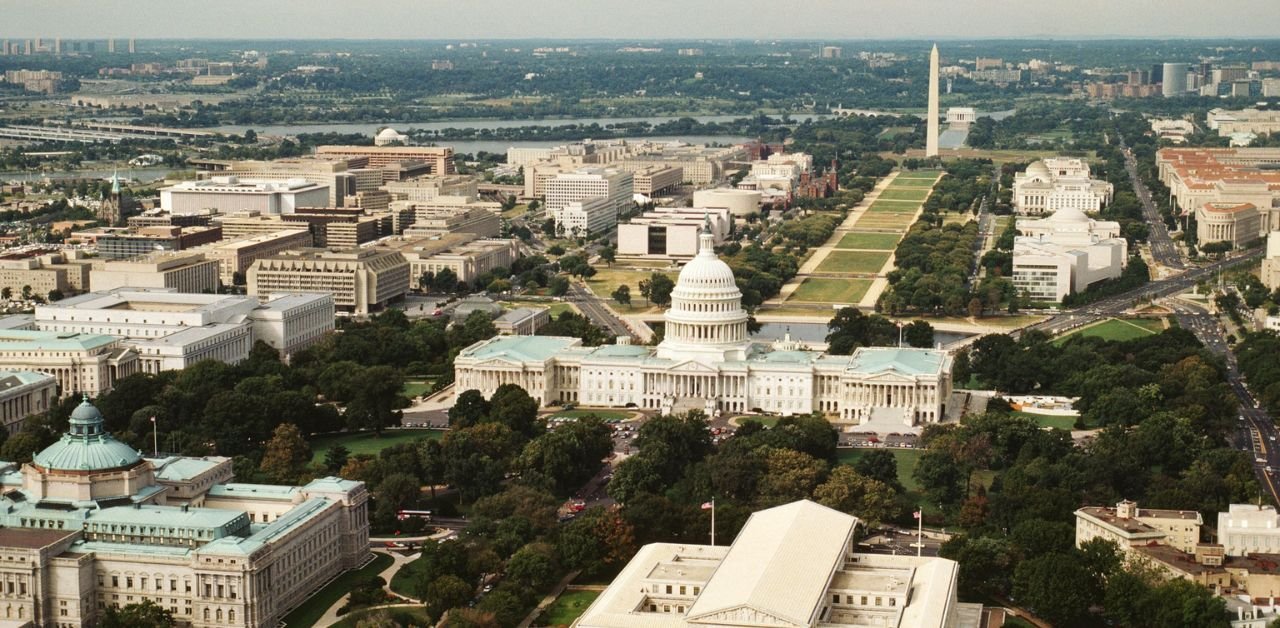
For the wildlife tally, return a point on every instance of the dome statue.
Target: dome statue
(706, 321)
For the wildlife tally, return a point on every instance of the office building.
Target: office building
(184, 272)
(1271, 263)
(330, 227)
(432, 187)
(831, 52)
(707, 361)
(90, 523)
(42, 81)
(361, 281)
(1175, 131)
(1238, 224)
(671, 232)
(1174, 80)
(235, 256)
(125, 242)
(699, 165)
(792, 565)
(467, 255)
(24, 394)
(81, 363)
(450, 214)
(522, 321)
(1258, 122)
(227, 195)
(1129, 526)
(44, 271)
(172, 330)
(589, 200)
(1065, 254)
(1196, 176)
(655, 180)
(439, 159)
(1056, 183)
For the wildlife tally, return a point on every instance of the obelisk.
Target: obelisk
(931, 134)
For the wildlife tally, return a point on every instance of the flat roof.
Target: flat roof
(30, 538)
(520, 348)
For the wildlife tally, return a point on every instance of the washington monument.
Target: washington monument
(931, 135)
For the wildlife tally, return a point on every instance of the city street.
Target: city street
(1165, 251)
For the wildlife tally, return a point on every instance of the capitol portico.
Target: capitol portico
(708, 361)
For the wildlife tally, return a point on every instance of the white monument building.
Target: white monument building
(1066, 253)
(793, 565)
(1058, 183)
(708, 361)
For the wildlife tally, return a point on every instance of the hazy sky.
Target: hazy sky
(637, 19)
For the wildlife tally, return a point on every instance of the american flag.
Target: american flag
(916, 514)
(708, 505)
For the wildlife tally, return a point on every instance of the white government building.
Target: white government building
(172, 330)
(1066, 253)
(791, 566)
(1055, 183)
(708, 361)
(90, 523)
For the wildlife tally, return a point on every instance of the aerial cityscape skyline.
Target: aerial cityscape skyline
(616, 19)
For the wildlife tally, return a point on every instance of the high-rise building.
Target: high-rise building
(1175, 80)
(132, 47)
(1157, 73)
(589, 199)
(931, 133)
(111, 46)
(832, 52)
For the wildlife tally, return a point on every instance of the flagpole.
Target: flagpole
(155, 439)
(920, 533)
(713, 521)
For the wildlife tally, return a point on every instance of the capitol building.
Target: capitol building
(708, 361)
(90, 523)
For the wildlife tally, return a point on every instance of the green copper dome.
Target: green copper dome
(87, 446)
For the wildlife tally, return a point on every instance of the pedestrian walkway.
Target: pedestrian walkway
(549, 598)
(331, 616)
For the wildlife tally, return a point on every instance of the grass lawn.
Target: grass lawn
(1118, 329)
(894, 207)
(901, 182)
(606, 280)
(554, 308)
(1049, 420)
(863, 240)
(568, 607)
(853, 262)
(907, 461)
(400, 617)
(917, 174)
(603, 414)
(416, 388)
(904, 194)
(313, 609)
(956, 218)
(367, 442)
(823, 290)
(894, 131)
(886, 221)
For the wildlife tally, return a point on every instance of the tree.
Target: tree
(469, 409)
(6, 293)
(396, 491)
(534, 566)
(26, 293)
(622, 295)
(511, 406)
(55, 295)
(608, 254)
(375, 399)
(880, 465)
(790, 475)
(848, 491)
(146, 614)
(918, 334)
(558, 286)
(286, 454)
(660, 287)
(250, 136)
(445, 280)
(446, 592)
(1056, 587)
(336, 458)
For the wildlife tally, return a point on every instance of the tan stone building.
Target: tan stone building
(235, 256)
(67, 272)
(90, 524)
(87, 363)
(446, 214)
(361, 281)
(182, 271)
(1236, 223)
(466, 254)
(1129, 526)
(23, 394)
(438, 158)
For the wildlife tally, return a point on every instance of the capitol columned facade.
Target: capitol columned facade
(707, 360)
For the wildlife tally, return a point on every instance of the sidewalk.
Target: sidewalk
(548, 599)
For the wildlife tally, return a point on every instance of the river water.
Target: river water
(370, 128)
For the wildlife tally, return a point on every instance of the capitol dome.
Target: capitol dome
(706, 320)
(87, 446)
